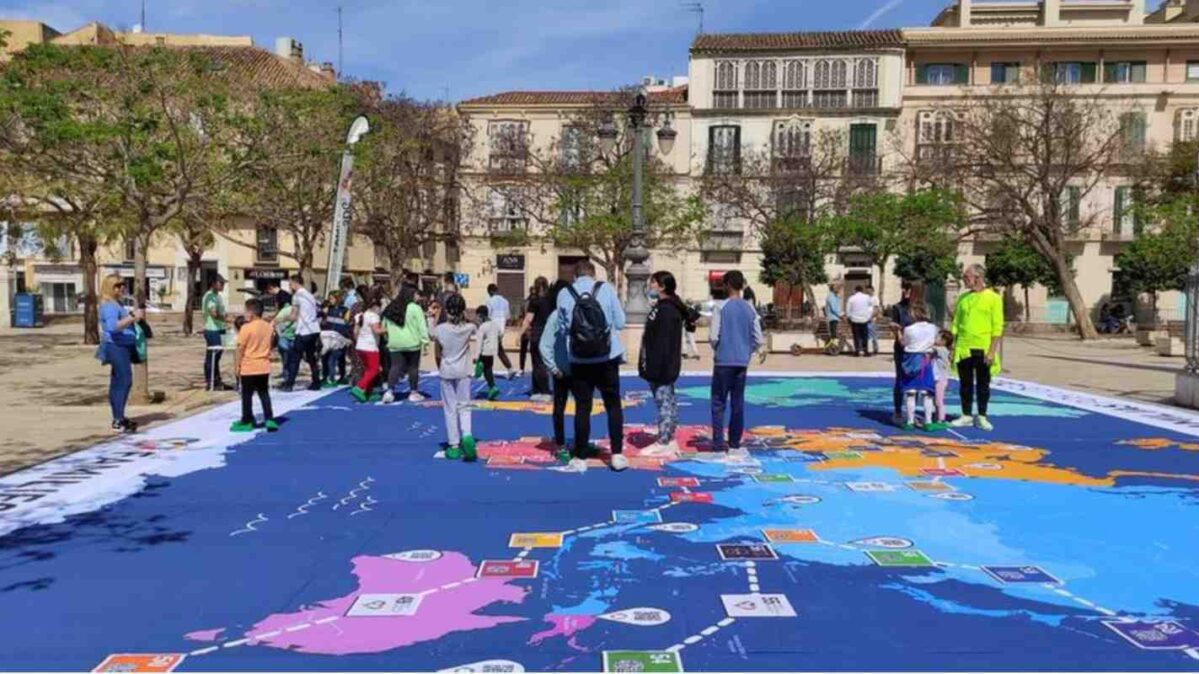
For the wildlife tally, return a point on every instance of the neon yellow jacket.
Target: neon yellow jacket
(977, 322)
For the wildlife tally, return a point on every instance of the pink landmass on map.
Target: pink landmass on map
(204, 635)
(440, 613)
(564, 626)
(534, 452)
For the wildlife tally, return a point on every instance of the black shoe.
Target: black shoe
(129, 425)
(285, 388)
(314, 386)
(225, 387)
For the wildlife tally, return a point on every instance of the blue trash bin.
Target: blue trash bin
(28, 311)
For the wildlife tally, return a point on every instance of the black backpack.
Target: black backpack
(590, 336)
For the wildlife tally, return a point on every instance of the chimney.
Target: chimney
(1136, 15)
(1051, 12)
(289, 48)
(965, 10)
(329, 71)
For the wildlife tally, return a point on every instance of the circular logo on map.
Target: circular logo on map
(889, 542)
(415, 555)
(952, 496)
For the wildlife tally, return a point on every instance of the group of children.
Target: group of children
(924, 371)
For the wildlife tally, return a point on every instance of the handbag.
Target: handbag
(138, 353)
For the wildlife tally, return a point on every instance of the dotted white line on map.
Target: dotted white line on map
(698, 637)
(1192, 652)
(204, 651)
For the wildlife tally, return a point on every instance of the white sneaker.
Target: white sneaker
(669, 450)
(511, 375)
(963, 421)
(389, 397)
(415, 397)
(981, 423)
(575, 466)
(738, 451)
(520, 373)
(619, 463)
(541, 398)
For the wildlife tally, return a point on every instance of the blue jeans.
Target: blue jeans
(120, 377)
(728, 384)
(335, 361)
(212, 358)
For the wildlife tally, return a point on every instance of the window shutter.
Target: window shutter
(1074, 194)
(1118, 211)
(1088, 72)
(737, 150)
(711, 147)
(1138, 71)
(922, 74)
(1109, 72)
(961, 73)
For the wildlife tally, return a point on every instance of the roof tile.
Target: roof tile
(752, 42)
(666, 96)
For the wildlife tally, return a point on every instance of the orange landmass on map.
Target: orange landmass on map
(909, 456)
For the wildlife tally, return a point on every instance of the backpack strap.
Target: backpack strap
(573, 293)
(596, 287)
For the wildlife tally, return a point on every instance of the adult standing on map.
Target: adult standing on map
(900, 315)
(541, 305)
(308, 335)
(213, 306)
(661, 358)
(590, 313)
(498, 310)
(978, 331)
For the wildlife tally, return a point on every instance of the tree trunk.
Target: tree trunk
(87, 266)
(193, 270)
(1027, 307)
(1078, 307)
(882, 280)
(140, 395)
(810, 294)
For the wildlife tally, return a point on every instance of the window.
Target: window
(795, 84)
(831, 84)
(724, 94)
(267, 244)
(943, 74)
(1124, 72)
(1133, 128)
(724, 238)
(509, 145)
(792, 202)
(863, 158)
(1005, 73)
(1074, 72)
(792, 144)
(865, 83)
(761, 84)
(506, 214)
(130, 249)
(934, 135)
(724, 149)
(1071, 205)
(572, 145)
(1125, 222)
(1193, 71)
(1188, 125)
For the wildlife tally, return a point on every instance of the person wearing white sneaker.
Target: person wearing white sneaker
(389, 397)
(415, 397)
(661, 358)
(978, 331)
(619, 462)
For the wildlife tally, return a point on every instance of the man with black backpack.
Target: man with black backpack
(590, 314)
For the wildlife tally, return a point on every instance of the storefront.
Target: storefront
(258, 279)
(60, 286)
(510, 277)
(158, 281)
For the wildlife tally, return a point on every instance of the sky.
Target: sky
(457, 49)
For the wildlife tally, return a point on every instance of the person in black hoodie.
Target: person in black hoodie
(662, 358)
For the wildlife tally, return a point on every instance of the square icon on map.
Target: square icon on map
(730, 551)
(636, 516)
(690, 497)
(843, 456)
(678, 482)
(866, 487)
(536, 540)
(140, 662)
(908, 558)
(642, 661)
(1166, 635)
(757, 606)
(790, 535)
(384, 605)
(929, 487)
(506, 568)
(1020, 574)
(768, 478)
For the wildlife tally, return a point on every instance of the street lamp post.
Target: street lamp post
(638, 273)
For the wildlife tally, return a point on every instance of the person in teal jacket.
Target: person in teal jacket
(405, 341)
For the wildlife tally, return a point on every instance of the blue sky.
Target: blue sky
(427, 48)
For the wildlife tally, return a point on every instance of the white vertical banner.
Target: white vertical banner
(341, 211)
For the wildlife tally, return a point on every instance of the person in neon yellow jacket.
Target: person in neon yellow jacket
(977, 330)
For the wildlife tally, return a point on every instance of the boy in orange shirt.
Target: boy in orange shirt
(254, 368)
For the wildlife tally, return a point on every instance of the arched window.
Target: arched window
(795, 84)
(865, 74)
(761, 84)
(753, 75)
(831, 88)
(840, 74)
(1188, 125)
(823, 77)
(724, 94)
(935, 136)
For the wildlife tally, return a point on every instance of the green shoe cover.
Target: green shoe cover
(469, 450)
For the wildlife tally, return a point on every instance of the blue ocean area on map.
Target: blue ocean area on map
(1064, 540)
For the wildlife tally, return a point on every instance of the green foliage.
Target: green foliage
(793, 252)
(1159, 260)
(1016, 263)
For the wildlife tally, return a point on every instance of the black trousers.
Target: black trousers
(524, 349)
(562, 388)
(975, 375)
(251, 384)
(501, 354)
(541, 374)
(404, 364)
(308, 347)
(861, 337)
(488, 370)
(587, 378)
(897, 390)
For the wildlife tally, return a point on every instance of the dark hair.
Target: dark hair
(482, 312)
(216, 280)
(448, 277)
(296, 278)
(412, 277)
(254, 306)
(947, 337)
(347, 283)
(540, 285)
(735, 280)
(555, 290)
(857, 289)
(584, 268)
(455, 308)
(720, 293)
(666, 281)
(492, 289)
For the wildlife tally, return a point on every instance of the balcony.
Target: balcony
(722, 241)
(864, 165)
(508, 163)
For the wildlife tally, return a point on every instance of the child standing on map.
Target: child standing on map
(735, 334)
(490, 333)
(453, 339)
(916, 377)
(254, 368)
(941, 376)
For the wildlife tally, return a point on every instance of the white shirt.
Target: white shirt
(498, 309)
(304, 305)
(919, 337)
(367, 339)
(859, 308)
(489, 338)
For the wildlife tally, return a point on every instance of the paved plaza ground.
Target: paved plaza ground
(1063, 540)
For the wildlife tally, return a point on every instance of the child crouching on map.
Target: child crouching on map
(917, 380)
(254, 368)
(453, 340)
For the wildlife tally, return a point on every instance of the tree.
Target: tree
(793, 253)
(407, 179)
(1160, 260)
(1027, 158)
(1015, 263)
(295, 139)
